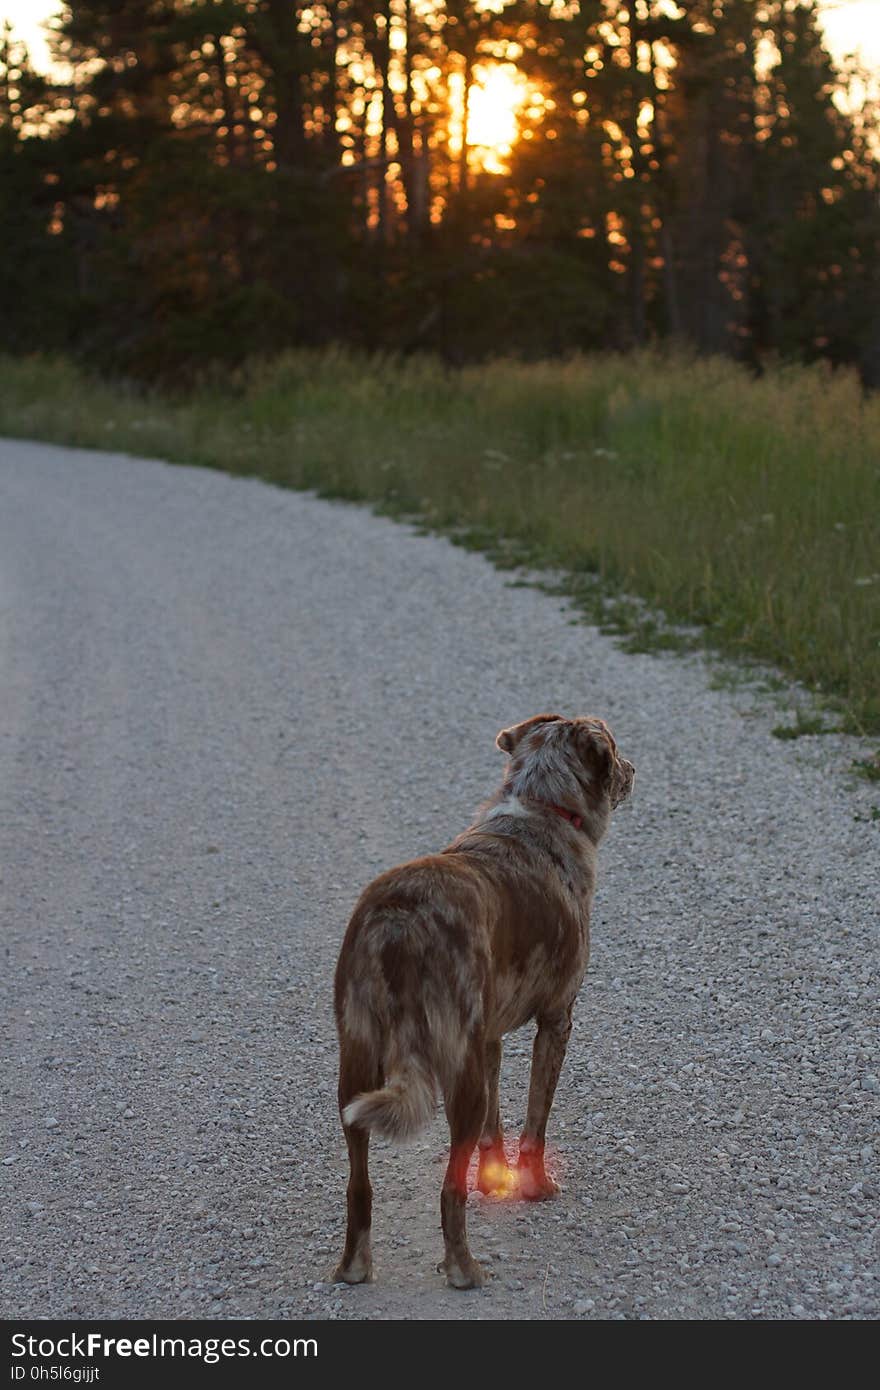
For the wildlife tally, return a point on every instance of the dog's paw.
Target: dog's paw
(495, 1178)
(462, 1274)
(357, 1271)
(535, 1183)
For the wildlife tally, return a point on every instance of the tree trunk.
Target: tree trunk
(636, 230)
(284, 59)
(387, 117)
(463, 156)
(664, 210)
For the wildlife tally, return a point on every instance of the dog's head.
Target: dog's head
(552, 756)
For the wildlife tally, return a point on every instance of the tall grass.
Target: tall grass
(751, 507)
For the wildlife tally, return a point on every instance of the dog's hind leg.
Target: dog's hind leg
(548, 1054)
(466, 1111)
(356, 1266)
(494, 1176)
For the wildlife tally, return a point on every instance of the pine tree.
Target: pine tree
(818, 221)
(36, 280)
(226, 177)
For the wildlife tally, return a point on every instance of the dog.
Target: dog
(445, 954)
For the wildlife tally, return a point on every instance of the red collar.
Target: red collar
(576, 821)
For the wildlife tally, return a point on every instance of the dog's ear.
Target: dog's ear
(508, 739)
(597, 749)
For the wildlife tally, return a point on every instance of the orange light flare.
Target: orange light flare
(506, 1178)
(496, 101)
(504, 1181)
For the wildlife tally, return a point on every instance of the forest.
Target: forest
(196, 182)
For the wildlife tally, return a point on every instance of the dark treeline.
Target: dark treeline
(201, 180)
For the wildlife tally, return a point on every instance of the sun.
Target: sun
(496, 96)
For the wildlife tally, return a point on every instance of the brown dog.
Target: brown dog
(447, 953)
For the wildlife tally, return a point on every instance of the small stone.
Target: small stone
(584, 1305)
(51, 1122)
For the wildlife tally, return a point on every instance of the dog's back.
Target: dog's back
(413, 986)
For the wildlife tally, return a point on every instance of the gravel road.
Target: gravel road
(224, 708)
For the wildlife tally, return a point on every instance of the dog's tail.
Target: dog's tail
(401, 1108)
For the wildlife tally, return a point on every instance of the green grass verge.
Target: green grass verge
(804, 724)
(747, 508)
(869, 768)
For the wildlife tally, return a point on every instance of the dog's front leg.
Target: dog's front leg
(547, 1058)
(494, 1177)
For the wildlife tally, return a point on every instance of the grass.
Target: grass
(869, 768)
(747, 509)
(803, 724)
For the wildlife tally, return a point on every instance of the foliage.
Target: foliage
(208, 179)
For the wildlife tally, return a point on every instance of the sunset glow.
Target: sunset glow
(500, 101)
(849, 25)
(496, 97)
(497, 94)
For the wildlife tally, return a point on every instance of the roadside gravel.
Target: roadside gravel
(225, 707)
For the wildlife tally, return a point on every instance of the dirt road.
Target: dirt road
(224, 708)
